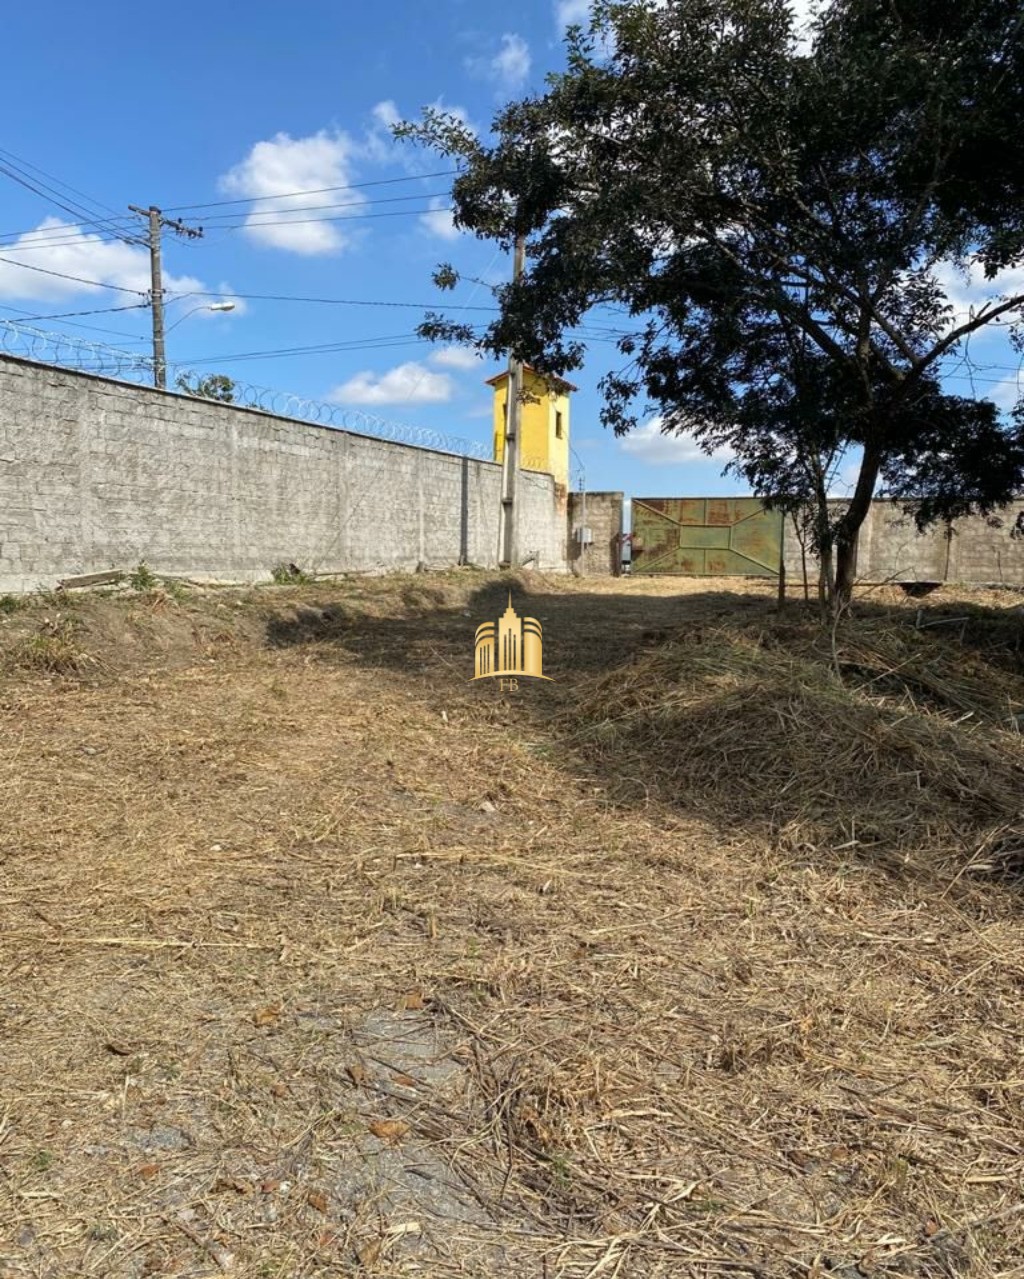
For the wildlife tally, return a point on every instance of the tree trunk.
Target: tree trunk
(826, 580)
(846, 570)
(849, 528)
(823, 545)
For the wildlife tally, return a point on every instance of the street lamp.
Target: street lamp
(183, 380)
(207, 306)
(159, 332)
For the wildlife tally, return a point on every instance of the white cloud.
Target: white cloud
(511, 64)
(1008, 393)
(509, 67)
(410, 383)
(570, 13)
(456, 357)
(55, 246)
(283, 164)
(386, 114)
(380, 145)
(439, 221)
(302, 187)
(969, 292)
(649, 444)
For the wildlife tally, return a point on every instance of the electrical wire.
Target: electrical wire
(50, 198)
(75, 324)
(287, 195)
(44, 235)
(103, 310)
(282, 297)
(281, 217)
(78, 242)
(310, 208)
(60, 275)
(27, 164)
(14, 168)
(350, 217)
(331, 348)
(355, 344)
(48, 237)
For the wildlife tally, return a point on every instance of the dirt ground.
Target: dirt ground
(319, 959)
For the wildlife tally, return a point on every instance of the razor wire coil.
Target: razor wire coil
(80, 355)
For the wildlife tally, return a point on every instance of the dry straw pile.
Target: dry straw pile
(887, 741)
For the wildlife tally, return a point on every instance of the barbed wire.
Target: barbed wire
(44, 347)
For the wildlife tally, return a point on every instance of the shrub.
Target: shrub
(289, 575)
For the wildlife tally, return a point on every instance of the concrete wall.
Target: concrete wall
(891, 549)
(602, 514)
(97, 474)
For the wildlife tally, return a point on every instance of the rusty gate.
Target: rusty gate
(706, 536)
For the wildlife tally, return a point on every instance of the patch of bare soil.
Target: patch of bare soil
(320, 960)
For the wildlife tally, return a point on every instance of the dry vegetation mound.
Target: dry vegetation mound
(892, 742)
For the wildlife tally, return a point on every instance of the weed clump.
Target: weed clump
(289, 575)
(52, 648)
(142, 578)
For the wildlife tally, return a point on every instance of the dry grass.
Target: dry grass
(891, 744)
(319, 960)
(50, 647)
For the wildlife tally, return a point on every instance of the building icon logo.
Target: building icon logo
(509, 649)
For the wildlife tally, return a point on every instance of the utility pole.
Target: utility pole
(508, 540)
(157, 222)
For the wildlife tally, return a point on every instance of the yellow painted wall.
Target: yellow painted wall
(540, 448)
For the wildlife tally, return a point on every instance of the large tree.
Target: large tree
(785, 225)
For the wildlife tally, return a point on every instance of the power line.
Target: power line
(604, 333)
(103, 310)
(26, 164)
(350, 217)
(287, 195)
(331, 348)
(60, 275)
(63, 229)
(281, 217)
(281, 297)
(49, 197)
(15, 170)
(310, 208)
(48, 236)
(78, 241)
(92, 328)
(103, 225)
(355, 344)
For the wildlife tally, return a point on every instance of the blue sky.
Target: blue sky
(192, 105)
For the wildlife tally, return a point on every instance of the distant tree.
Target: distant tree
(785, 227)
(215, 386)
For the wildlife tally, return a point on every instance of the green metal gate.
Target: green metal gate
(706, 536)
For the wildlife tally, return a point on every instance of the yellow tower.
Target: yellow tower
(544, 435)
